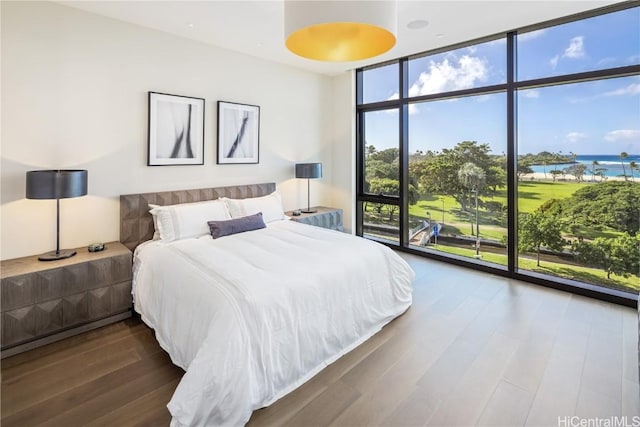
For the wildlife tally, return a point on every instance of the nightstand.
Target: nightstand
(46, 301)
(325, 217)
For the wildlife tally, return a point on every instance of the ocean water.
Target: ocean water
(609, 162)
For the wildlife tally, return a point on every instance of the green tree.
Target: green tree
(632, 166)
(418, 168)
(472, 178)
(384, 186)
(623, 156)
(380, 164)
(577, 170)
(388, 186)
(619, 255)
(523, 169)
(554, 174)
(496, 177)
(594, 163)
(390, 155)
(439, 174)
(614, 204)
(602, 173)
(538, 229)
(378, 169)
(370, 149)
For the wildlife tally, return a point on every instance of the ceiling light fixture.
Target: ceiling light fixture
(417, 24)
(340, 30)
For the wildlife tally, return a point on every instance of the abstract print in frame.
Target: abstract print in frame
(176, 130)
(238, 133)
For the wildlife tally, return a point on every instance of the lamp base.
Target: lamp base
(54, 256)
(308, 210)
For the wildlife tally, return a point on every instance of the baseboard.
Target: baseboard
(20, 348)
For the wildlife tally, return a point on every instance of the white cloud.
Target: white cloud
(448, 75)
(531, 35)
(633, 59)
(623, 135)
(574, 137)
(575, 49)
(413, 108)
(607, 60)
(632, 89)
(531, 93)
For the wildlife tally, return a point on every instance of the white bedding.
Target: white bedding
(252, 316)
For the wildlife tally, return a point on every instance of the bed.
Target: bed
(251, 316)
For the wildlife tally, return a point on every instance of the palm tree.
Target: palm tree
(602, 173)
(472, 178)
(623, 156)
(370, 149)
(556, 159)
(594, 163)
(632, 166)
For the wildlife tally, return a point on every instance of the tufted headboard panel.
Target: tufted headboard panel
(136, 223)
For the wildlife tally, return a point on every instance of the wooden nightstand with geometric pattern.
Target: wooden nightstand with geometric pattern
(324, 217)
(46, 301)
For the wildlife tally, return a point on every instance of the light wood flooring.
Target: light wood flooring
(474, 349)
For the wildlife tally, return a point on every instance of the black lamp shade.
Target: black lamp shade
(309, 170)
(56, 184)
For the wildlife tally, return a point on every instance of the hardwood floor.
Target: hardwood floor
(474, 349)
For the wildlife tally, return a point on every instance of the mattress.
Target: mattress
(252, 316)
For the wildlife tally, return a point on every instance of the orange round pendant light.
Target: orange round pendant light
(339, 30)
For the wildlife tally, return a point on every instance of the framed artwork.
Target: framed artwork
(238, 133)
(176, 130)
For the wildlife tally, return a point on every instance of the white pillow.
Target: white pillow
(156, 233)
(270, 206)
(187, 220)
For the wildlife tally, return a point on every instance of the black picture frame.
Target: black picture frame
(175, 130)
(238, 133)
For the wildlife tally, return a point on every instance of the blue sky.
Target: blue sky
(601, 117)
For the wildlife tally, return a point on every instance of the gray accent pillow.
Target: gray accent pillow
(236, 225)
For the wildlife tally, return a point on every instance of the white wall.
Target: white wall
(74, 95)
(343, 142)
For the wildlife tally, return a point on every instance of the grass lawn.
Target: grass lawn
(531, 194)
(584, 274)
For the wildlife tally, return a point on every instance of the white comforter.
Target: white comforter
(252, 316)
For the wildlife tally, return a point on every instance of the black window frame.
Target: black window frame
(510, 87)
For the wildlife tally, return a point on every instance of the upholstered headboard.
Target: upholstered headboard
(136, 223)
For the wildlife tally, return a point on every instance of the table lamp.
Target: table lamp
(56, 184)
(308, 171)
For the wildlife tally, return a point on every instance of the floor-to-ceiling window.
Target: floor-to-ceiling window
(381, 173)
(518, 153)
